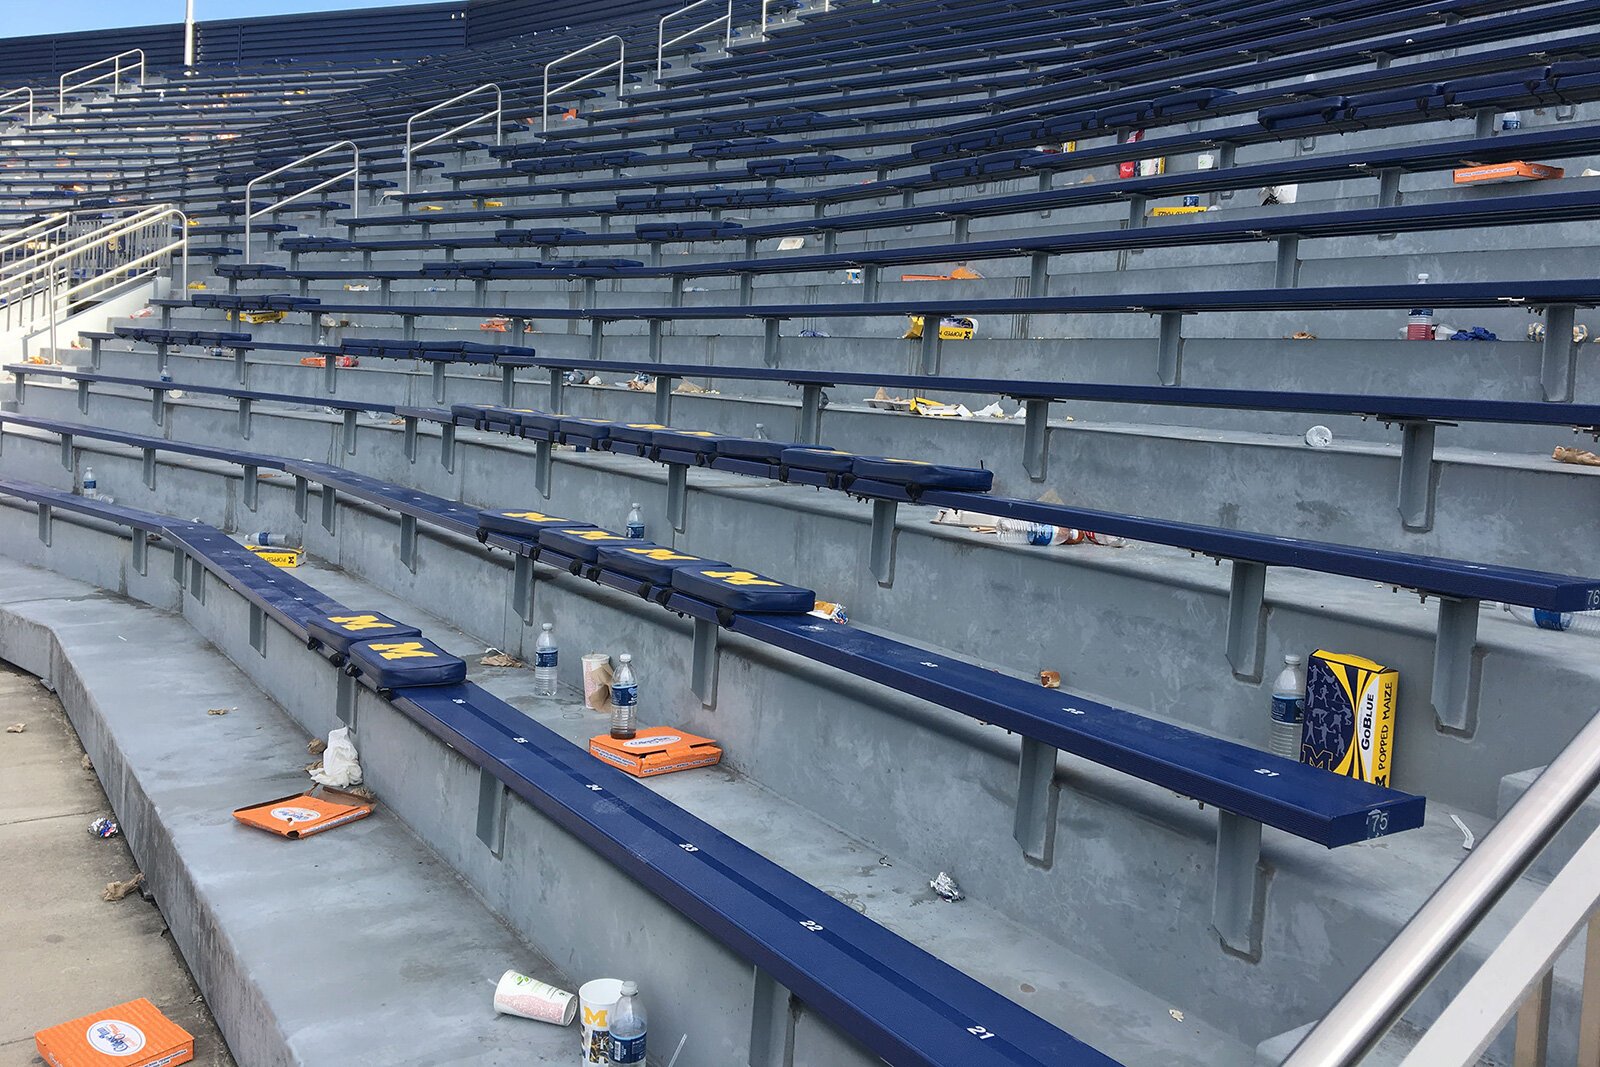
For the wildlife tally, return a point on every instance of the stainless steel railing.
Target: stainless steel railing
(47, 286)
(14, 108)
(1516, 978)
(496, 113)
(114, 75)
(354, 174)
(620, 64)
(662, 44)
(20, 243)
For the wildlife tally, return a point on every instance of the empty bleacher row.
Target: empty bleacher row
(1169, 238)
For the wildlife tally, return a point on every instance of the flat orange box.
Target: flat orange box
(304, 814)
(134, 1034)
(659, 750)
(1507, 172)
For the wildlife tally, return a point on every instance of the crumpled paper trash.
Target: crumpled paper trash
(341, 768)
(946, 887)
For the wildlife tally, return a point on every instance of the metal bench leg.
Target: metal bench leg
(345, 700)
(747, 288)
(508, 386)
(438, 381)
(770, 342)
(447, 446)
(1169, 353)
(1039, 274)
(250, 486)
(522, 588)
(1036, 438)
(148, 465)
(810, 414)
(330, 374)
(1483, 123)
(241, 372)
(94, 353)
(1455, 670)
(1559, 365)
(1136, 204)
(869, 284)
(772, 1020)
(557, 382)
(158, 405)
(141, 557)
(491, 812)
(1037, 801)
(83, 397)
(408, 542)
(677, 495)
(330, 502)
(348, 431)
(542, 467)
(664, 399)
(1418, 475)
(653, 349)
(46, 524)
(703, 673)
(410, 435)
(597, 339)
(929, 351)
(1247, 619)
(1389, 187)
(884, 513)
(302, 494)
(1236, 906)
(1288, 268)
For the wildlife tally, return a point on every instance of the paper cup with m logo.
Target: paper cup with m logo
(596, 1000)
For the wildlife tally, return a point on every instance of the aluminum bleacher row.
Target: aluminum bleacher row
(1182, 232)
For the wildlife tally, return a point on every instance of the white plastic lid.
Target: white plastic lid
(630, 988)
(625, 658)
(548, 626)
(1292, 660)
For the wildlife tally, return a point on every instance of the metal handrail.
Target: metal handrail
(827, 5)
(497, 114)
(662, 44)
(18, 107)
(35, 260)
(115, 75)
(41, 230)
(1377, 1000)
(354, 174)
(621, 63)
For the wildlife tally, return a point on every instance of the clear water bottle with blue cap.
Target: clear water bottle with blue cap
(90, 483)
(1579, 622)
(1288, 708)
(635, 522)
(624, 700)
(629, 1026)
(544, 662)
(269, 539)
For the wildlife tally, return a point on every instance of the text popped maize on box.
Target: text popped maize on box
(134, 1034)
(1349, 723)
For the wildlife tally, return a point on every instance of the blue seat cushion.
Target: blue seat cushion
(750, 448)
(407, 662)
(635, 433)
(339, 632)
(827, 460)
(581, 542)
(524, 523)
(740, 590)
(700, 442)
(595, 430)
(544, 422)
(473, 413)
(650, 562)
(923, 475)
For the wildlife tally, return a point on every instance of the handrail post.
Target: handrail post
(115, 75)
(354, 174)
(621, 63)
(661, 31)
(18, 107)
(498, 114)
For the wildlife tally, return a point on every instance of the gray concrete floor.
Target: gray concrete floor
(65, 952)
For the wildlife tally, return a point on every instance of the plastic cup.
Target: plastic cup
(529, 998)
(596, 1000)
(597, 681)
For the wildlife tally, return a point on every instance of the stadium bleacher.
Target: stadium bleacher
(845, 305)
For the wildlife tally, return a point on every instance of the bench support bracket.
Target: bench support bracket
(148, 463)
(1169, 354)
(1455, 671)
(557, 382)
(508, 386)
(810, 429)
(240, 369)
(1036, 438)
(250, 486)
(1389, 187)
(330, 507)
(771, 1023)
(1039, 275)
(302, 495)
(345, 700)
(438, 381)
(141, 563)
(1247, 590)
(541, 467)
(703, 663)
(1559, 364)
(1037, 801)
(1418, 475)
(1236, 907)
(677, 495)
(158, 405)
(245, 407)
(411, 438)
(664, 383)
(884, 513)
(330, 374)
(770, 342)
(929, 350)
(1287, 275)
(522, 584)
(83, 397)
(491, 812)
(348, 430)
(408, 542)
(447, 446)
(46, 523)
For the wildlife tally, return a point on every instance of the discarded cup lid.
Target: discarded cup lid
(1319, 437)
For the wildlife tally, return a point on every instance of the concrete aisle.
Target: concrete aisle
(65, 952)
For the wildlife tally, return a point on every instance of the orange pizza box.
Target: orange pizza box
(659, 750)
(1507, 172)
(304, 814)
(134, 1034)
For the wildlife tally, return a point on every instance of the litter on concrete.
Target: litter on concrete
(115, 891)
(86, 763)
(340, 767)
(493, 657)
(946, 887)
(16, 727)
(316, 746)
(1050, 679)
(104, 827)
(1573, 455)
(219, 711)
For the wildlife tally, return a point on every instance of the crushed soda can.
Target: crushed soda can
(104, 827)
(946, 887)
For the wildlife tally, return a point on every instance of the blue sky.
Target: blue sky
(24, 18)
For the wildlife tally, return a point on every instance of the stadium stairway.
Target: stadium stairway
(653, 298)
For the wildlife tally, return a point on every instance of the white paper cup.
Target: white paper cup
(597, 680)
(529, 998)
(596, 1000)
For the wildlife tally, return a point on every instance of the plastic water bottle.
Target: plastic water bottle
(1288, 709)
(761, 432)
(1511, 121)
(628, 1028)
(544, 662)
(635, 522)
(1420, 326)
(1578, 622)
(624, 700)
(268, 539)
(90, 484)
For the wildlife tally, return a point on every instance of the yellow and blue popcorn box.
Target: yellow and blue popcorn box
(1349, 718)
